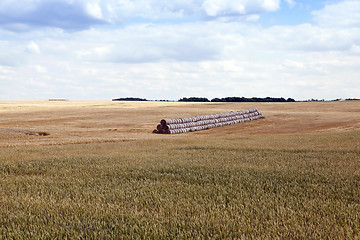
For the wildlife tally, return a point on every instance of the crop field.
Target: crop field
(94, 170)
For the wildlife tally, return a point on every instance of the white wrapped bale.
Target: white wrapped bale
(167, 121)
(197, 123)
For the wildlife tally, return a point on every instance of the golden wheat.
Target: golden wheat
(298, 185)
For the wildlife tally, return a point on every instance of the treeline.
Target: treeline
(236, 99)
(226, 99)
(347, 99)
(130, 99)
(193, 99)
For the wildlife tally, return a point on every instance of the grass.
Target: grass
(297, 186)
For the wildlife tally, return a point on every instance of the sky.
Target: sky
(161, 49)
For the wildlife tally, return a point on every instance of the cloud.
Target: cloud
(12, 54)
(78, 15)
(225, 8)
(152, 43)
(201, 56)
(93, 9)
(291, 3)
(40, 69)
(164, 9)
(32, 48)
(307, 37)
(342, 14)
(68, 15)
(219, 8)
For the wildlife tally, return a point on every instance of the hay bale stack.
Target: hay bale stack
(197, 123)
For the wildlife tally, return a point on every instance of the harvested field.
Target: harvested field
(103, 121)
(95, 170)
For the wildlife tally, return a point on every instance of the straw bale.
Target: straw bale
(197, 123)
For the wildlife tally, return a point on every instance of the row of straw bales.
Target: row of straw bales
(197, 123)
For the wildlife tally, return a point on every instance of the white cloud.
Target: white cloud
(355, 49)
(94, 10)
(270, 5)
(216, 58)
(293, 65)
(218, 8)
(307, 37)
(341, 14)
(69, 15)
(40, 69)
(80, 14)
(9, 5)
(291, 3)
(151, 43)
(32, 48)
(11, 53)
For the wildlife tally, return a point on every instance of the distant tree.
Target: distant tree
(216, 100)
(253, 99)
(194, 99)
(130, 99)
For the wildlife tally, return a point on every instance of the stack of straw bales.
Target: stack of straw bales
(192, 124)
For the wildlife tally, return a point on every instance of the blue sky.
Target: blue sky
(159, 49)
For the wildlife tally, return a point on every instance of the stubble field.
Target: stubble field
(93, 169)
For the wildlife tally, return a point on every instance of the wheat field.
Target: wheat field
(94, 170)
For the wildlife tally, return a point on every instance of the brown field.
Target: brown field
(94, 170)
(41, 123)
